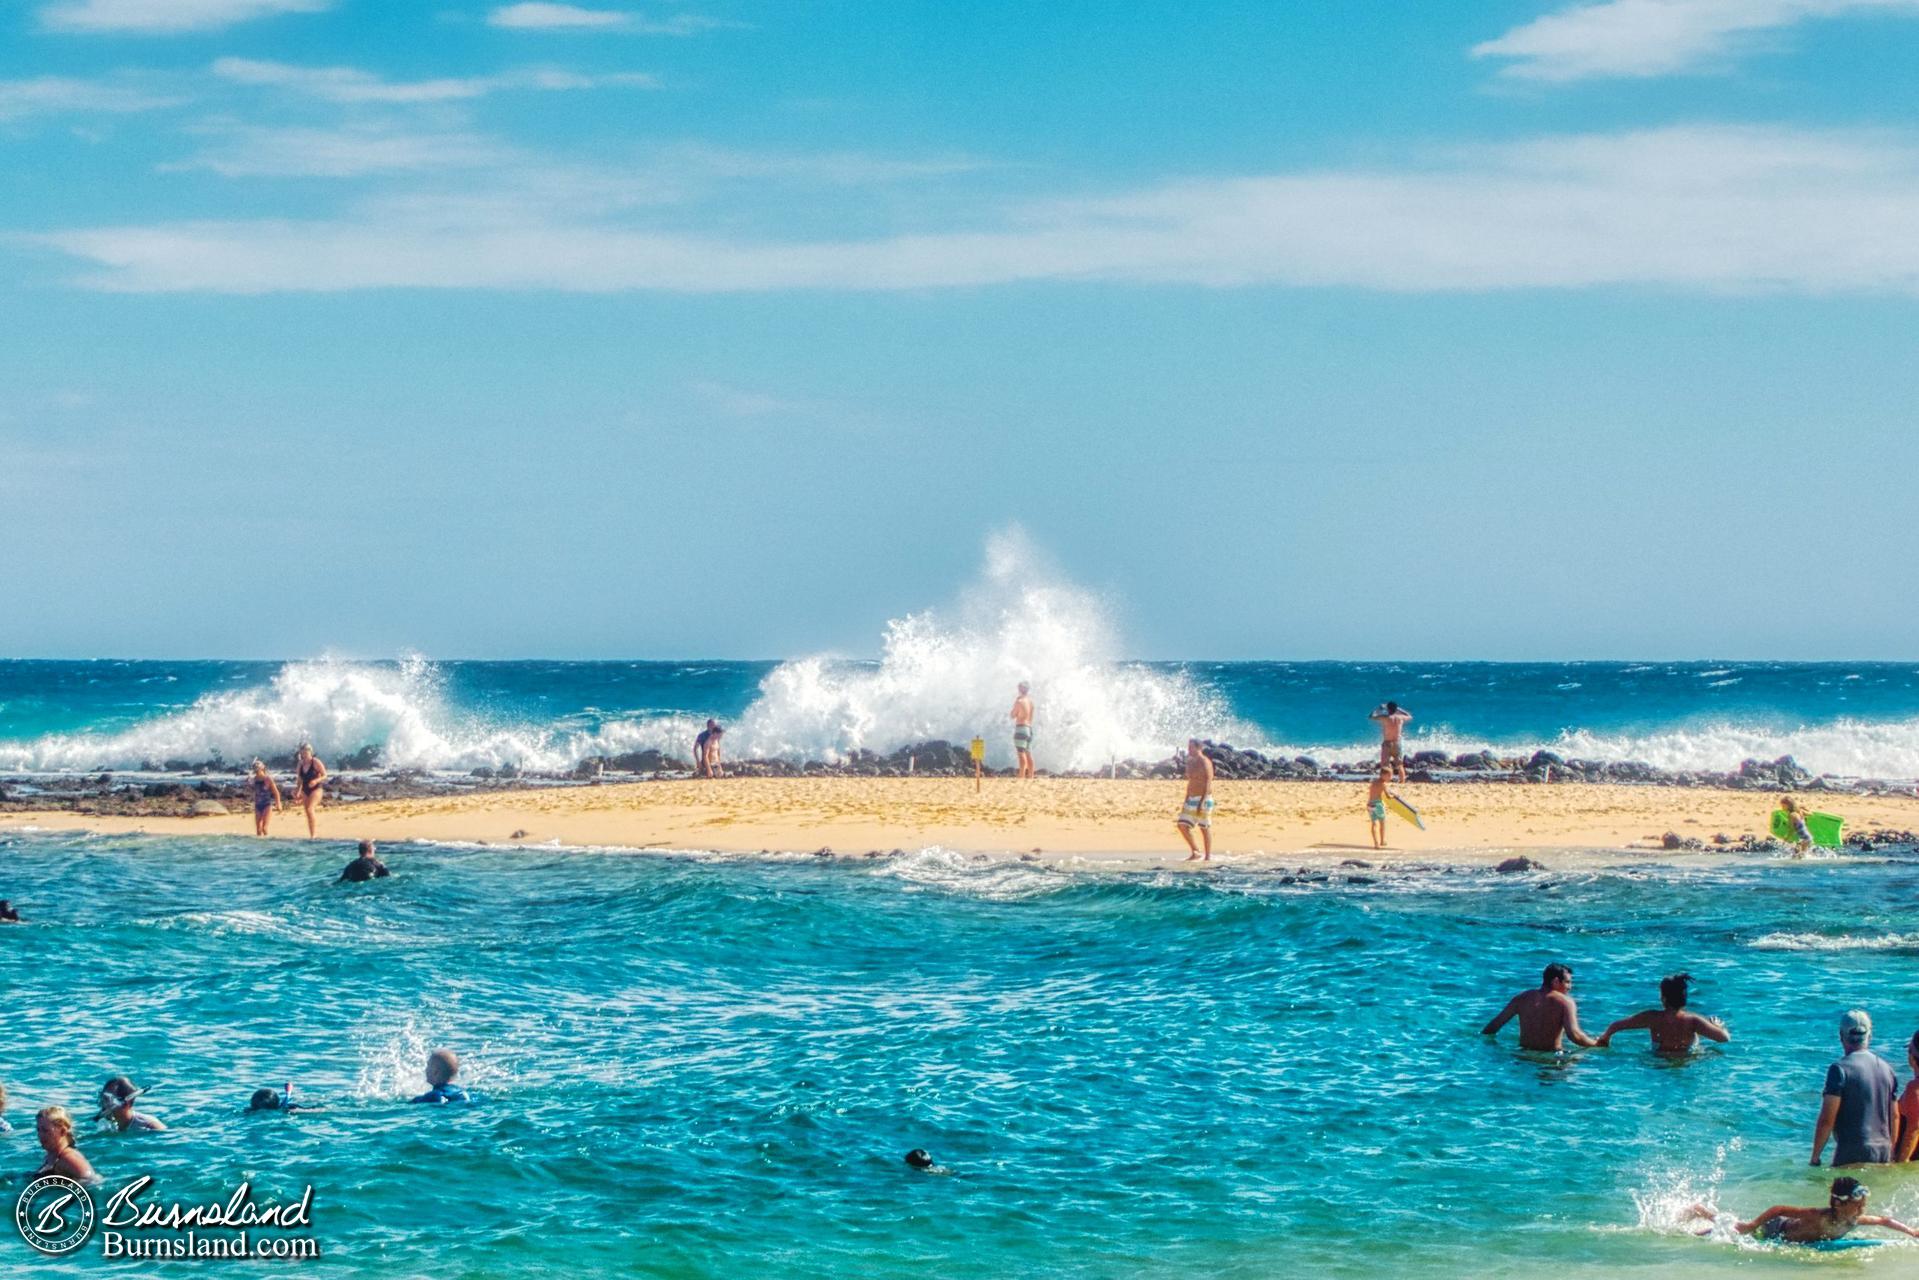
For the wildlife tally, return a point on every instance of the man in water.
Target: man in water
(706, 751)
(365, 867)
(1545, 1015)
(116, 1105)
(1023, 731)
(1788, 1224)
(441, 1066)
(309, 779)
(269, 1100)
(1861, 1097)
(7, 914)
(1675, 1028)
(1197, 810)
(1391, 720)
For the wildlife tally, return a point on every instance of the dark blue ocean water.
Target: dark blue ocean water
(700, 1066)
(1845, 718)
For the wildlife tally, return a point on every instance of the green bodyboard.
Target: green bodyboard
(1828, 829)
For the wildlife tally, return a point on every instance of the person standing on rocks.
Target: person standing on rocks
(1391, 719)
(706, 751)
(309, 781)
(1197, 809)
(1023, 731)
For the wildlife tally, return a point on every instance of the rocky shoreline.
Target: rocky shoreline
(213, 787)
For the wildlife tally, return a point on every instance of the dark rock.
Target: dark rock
(1512, 866)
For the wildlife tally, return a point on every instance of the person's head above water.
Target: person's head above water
(1557, 977)
(117, 1095)
(441, 1066)
(55, 1128)
(1674, 990)
(366, 848)
(919, 1158)
(1848, 1197)
(1855, 1029)
(264, 1100)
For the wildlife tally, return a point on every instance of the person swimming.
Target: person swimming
(270, 1100)
(54, 1127)
(365, 867)
(441, 1066)
(1675, 1028)
(116, 1106)
(7, 914)
(921, 1159)
(1789, 1224)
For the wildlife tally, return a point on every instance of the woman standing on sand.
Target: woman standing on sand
(266, 797)
(310, 776)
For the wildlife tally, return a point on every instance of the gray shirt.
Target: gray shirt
(1865, 1086)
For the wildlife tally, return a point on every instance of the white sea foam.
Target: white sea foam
(971, 875)
(1837, 942)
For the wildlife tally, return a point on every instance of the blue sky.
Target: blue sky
(1298, 329)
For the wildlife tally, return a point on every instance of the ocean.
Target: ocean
(693, 1065)
(1846, 719)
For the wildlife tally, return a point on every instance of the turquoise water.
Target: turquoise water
(711, 1067)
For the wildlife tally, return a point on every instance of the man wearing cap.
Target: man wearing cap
(1861, 1092)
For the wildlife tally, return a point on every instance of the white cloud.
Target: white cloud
(165, 17)
(350, 84)
(1655, 37)
(570, 17)
(240, 150)
(1688, 208)
(54, 95)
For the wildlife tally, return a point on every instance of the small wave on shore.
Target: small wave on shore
(1837, 942)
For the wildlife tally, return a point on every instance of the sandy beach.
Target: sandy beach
(1075, 821)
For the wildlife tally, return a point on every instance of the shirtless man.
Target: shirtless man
(309, 781)
(706, 751)
(1545, 1015)
(1391, 720)
(1023, 731)
(1197, 810)
(1675, 1028)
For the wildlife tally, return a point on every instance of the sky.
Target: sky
(1305, 329)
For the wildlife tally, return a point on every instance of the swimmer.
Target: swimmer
(365, 867)
(266, 796)
(1675, 1028)
(268, 1100)
(1859, 1107)
(441, 1066)
(310, 783)
(7, 914)
(116, 1106)
(1802, 834)
(1790, 1225)
(55, 1130)
(918, 1158)
(1545, 1014)
(1376, 805)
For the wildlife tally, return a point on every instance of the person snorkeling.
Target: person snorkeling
(1789, 1224)
(441, 1066)
(270, 1100)
(116, 1106)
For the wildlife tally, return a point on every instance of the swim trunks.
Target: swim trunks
(1197, 811)
(1376, 810)
(1022, 737)
(1389, 749)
